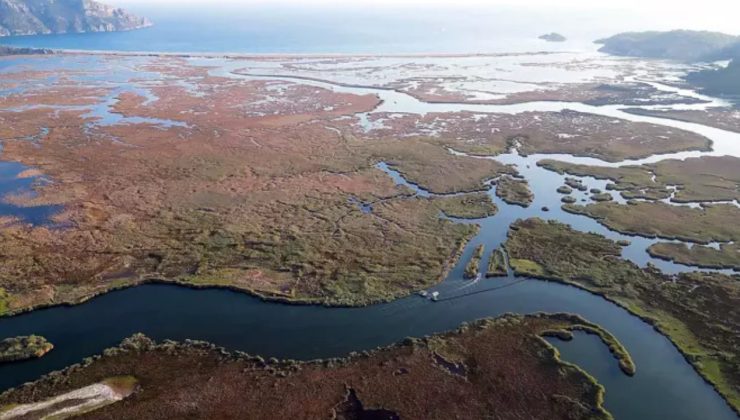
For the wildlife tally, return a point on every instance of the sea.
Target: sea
(356, 28)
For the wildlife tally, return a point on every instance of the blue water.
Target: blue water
(11, 184)
(345, 29)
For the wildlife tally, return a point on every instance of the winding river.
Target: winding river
(665, 386)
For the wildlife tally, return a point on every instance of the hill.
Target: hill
(677, 45)
(35, 17)
(725, 81)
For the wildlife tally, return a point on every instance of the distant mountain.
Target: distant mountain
(34, 17)
(724, 81)
(677, 45)
(553, 37)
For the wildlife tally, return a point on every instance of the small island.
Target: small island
(472, 269)
(514, 191)
(23, 348)
(553, 37)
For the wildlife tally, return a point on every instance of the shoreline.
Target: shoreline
(242, 55)
(668, 116)
(573, 209)
(577, 324)
(705, 266)
(650, 321)
(282, 301)
(265, 297)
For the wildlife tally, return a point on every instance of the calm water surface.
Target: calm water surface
(276, 27)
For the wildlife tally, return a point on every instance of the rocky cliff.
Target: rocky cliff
(34, 17)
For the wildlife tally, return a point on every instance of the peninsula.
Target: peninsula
(41, 17)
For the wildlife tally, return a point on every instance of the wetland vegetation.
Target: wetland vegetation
(514, 191)
(568, 199)
(704, 180)
(472, 269)
(602, 196)
(23, 348)
(697, 311)
(726, 256)
(497, 264)
(708, 178)
(259, 197)
(279, 189)
(467, 206)
(532, 132)
(709, 223)
(722, 118)
(429, 164)
(273, 218)
(467, 373)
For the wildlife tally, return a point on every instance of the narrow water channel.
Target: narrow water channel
(241, 322)
(665, 386)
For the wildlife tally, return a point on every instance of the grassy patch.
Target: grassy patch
(711, 223)
(428, 163)
(473, 268)
(563, 335)
(3, 301)
(24, 348)
(618, 350)
(697, 311)
(708, 178)
(526, 267)
(568, 199)
(605, 196)
(223, 216)
(497, 264)
(722, 118)
(315, 247)
(514, 191)
(577, 323)
(7, 407)
(564, 189)
(728, 255)
(467, 206)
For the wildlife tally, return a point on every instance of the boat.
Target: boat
(435, 296)
(423, 293)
